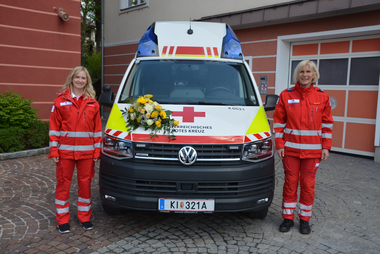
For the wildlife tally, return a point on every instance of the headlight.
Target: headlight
(117, 148)
(258, 150)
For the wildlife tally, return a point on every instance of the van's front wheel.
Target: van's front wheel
(261, 214)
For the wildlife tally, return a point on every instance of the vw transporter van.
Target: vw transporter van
(211, 151)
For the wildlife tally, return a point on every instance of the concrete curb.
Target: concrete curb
(25, 153)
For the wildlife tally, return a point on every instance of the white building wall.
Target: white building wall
(128, 26)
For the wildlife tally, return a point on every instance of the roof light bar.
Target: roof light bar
(231, 45)
(148, 44)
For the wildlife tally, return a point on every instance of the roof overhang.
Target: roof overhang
(292, 11)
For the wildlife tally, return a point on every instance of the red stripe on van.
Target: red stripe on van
(190, 139)
(190, 51)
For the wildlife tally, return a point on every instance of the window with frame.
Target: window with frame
(132, 4)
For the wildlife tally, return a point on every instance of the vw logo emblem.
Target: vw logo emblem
(187, 155)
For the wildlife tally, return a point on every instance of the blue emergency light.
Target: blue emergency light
(148, 43)
(231, 46)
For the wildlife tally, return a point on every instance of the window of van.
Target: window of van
(190, 82)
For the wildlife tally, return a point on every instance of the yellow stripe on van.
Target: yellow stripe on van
(259, 123)
(116, 120)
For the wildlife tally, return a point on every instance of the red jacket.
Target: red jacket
(75, 129)
(303, 122)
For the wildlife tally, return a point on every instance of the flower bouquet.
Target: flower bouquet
(147, 113)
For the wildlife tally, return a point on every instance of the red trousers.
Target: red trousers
(64, 174)
(300, 171)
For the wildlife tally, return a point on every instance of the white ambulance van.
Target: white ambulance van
(221, 159)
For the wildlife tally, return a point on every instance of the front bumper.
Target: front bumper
(138, 184)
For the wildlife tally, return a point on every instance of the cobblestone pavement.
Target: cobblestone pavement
(346, 217)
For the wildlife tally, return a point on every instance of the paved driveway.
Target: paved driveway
(346, 217)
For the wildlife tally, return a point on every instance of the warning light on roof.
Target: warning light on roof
(231, 46)
(148, 44)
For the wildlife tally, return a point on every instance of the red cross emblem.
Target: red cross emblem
(188, 114)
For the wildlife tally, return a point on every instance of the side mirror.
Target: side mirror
(106, 97)
(270, 102)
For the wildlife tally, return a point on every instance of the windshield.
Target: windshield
(190, 82)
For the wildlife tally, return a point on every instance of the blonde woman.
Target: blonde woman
(75, 134)
(303, 131)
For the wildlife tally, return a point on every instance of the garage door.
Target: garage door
(349, 70)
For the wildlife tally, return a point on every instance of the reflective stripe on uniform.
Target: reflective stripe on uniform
(303, 132)
(279, 125)
(76, 148)
(84, 200)
(62, 210)
(98, 145)
(287, 211)
(327, 125)
(289, 205)
(54, 133)
(78, 134)
(305, 207)
(327, 135)
(303, 146)
(61, 202)
(53, 143)
(84, 208)
(279, 135)
(303, 213)
(98, 134)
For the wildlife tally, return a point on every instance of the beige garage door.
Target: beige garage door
(350, 70)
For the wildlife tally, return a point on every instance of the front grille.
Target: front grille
(200, 189)
(170, 151)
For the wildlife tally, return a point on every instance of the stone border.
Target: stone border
(25, 153)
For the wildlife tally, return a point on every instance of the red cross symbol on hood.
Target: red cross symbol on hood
(188, 114)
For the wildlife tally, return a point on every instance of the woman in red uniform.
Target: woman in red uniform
(303, 131)
(75, 134)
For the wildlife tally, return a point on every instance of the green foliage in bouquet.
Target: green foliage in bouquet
(148, 114)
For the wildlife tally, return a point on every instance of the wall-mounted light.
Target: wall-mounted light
(63, 15)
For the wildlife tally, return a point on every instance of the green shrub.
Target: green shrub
(38, 135)
(12, 139)
(20, 127)
(94, 65)
(16, 111)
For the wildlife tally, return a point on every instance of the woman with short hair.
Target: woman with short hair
(303, 134)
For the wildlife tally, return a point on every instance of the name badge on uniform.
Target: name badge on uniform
(293, 101)
(66, 103)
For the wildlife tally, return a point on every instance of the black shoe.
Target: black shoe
(286, 225)
(64, 228)
(87, 225)
(304, 227)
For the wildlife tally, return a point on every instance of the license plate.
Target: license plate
(186, 205)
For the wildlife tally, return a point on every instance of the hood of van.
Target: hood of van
(199, 124)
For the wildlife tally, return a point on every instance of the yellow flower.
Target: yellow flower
(158, 124)
(158, 107)
(142, 100)
(154, 114)
(148, 115)
(143, 111)
(139, 109)
(131, 109)
(163, 114)
(148, 96)
(138, 119)
(175, 122)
